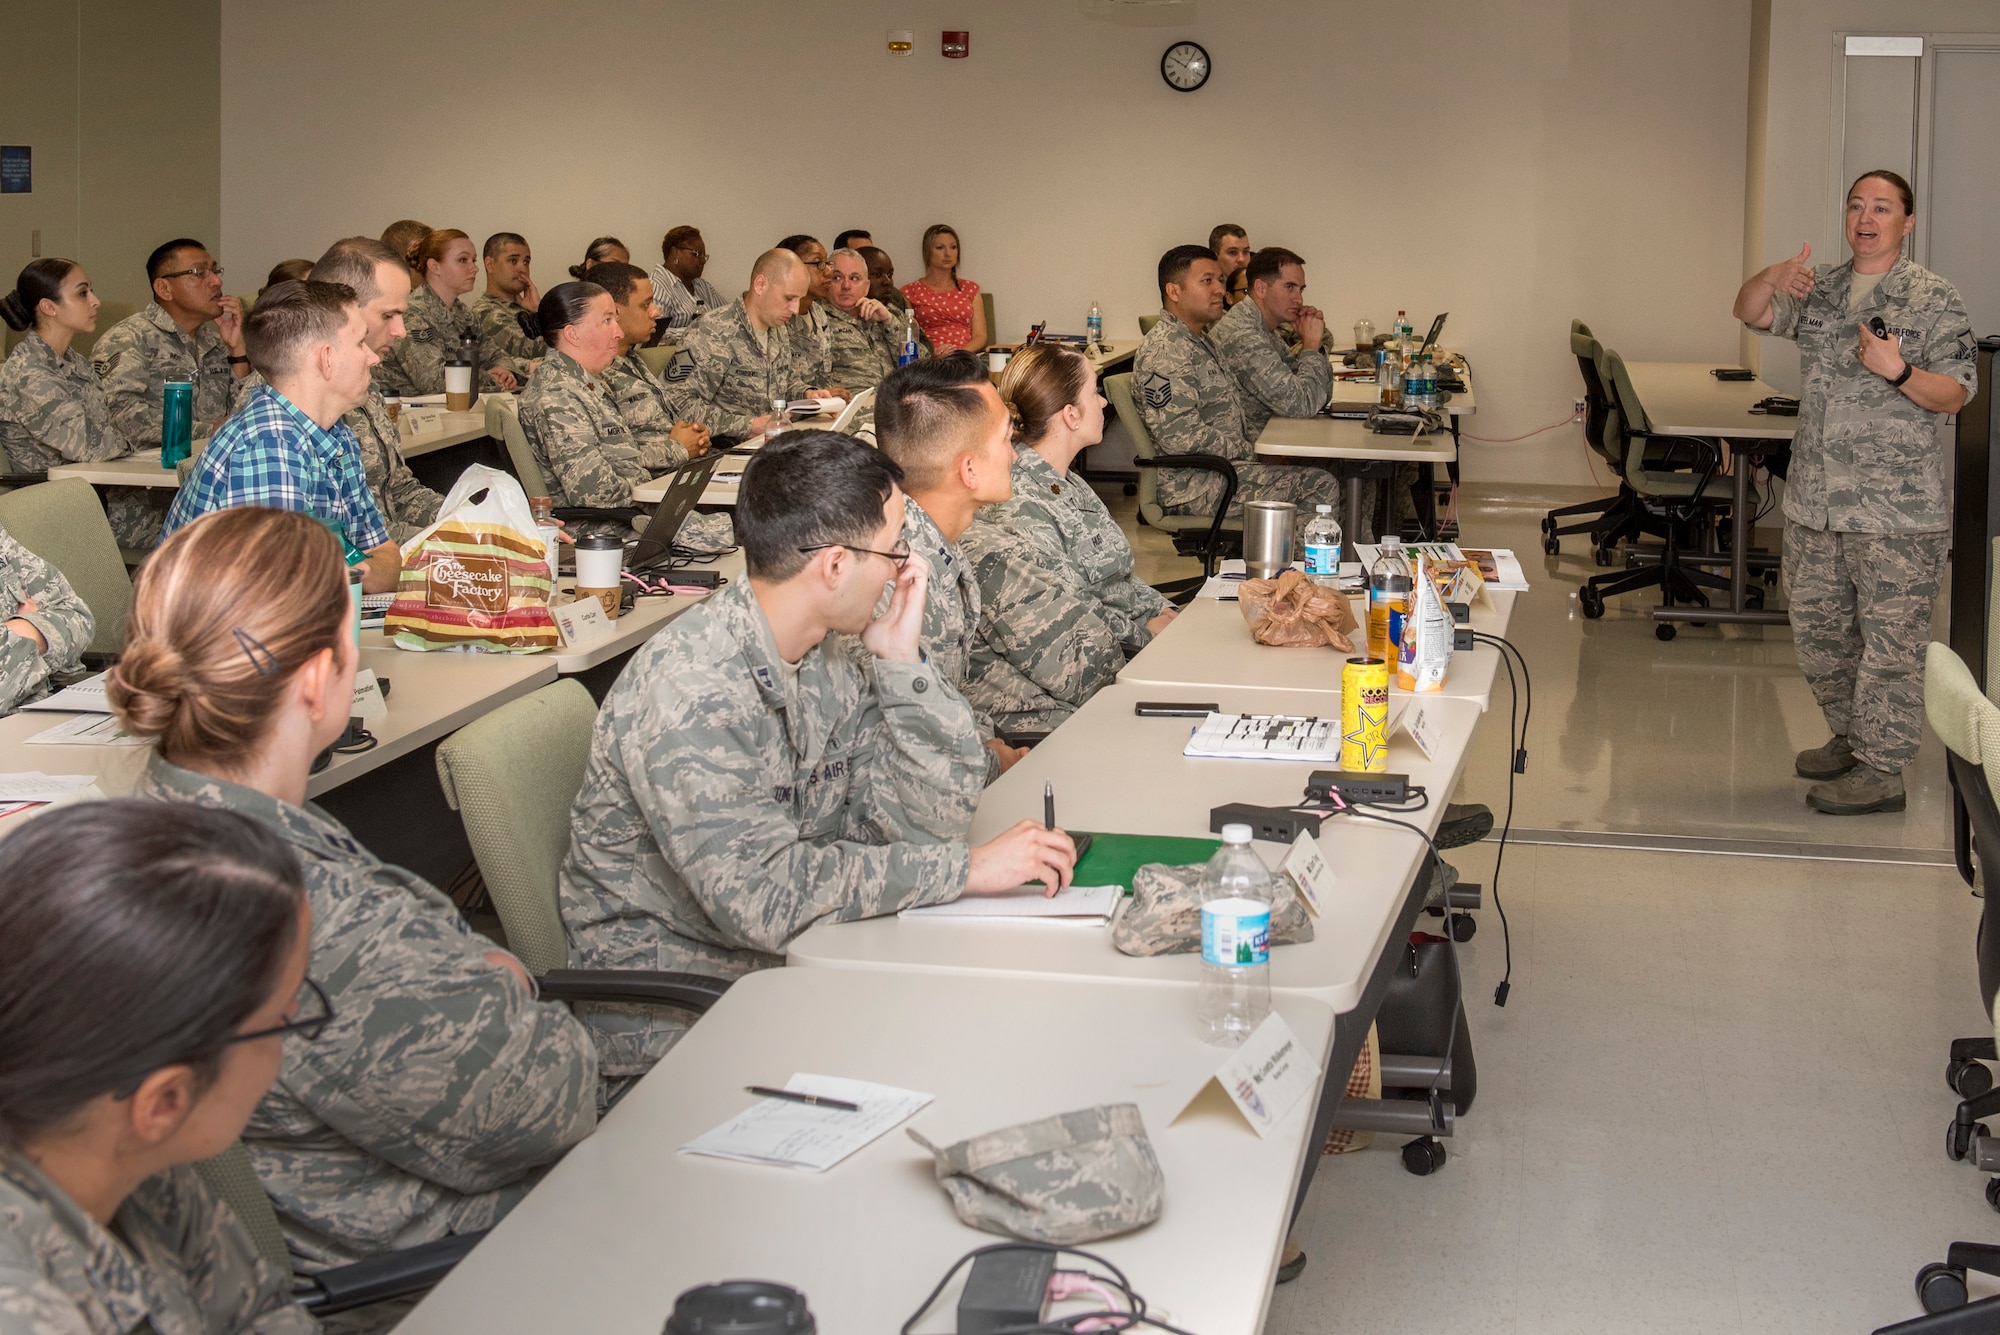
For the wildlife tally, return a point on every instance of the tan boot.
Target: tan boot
(1859, 791)
(1830, 761)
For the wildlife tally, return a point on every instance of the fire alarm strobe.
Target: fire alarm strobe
(957, 45)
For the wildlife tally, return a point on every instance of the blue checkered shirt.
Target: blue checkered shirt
(269, 453)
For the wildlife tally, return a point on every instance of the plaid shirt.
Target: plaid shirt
(272, 454)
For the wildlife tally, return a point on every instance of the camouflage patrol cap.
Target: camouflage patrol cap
(1072, 1178)
(1164, 915)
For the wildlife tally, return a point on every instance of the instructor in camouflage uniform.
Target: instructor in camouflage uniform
(779, 755)
(439, 1088)
(381, 284)
(1189, 401)
(1866, 529)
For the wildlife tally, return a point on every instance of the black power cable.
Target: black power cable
(1517, 763)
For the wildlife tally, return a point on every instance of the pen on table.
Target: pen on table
(1049, 805)
(793, 1096)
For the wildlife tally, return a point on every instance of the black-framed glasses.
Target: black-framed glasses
(898, 559)
(308, 1027)
(201, 271)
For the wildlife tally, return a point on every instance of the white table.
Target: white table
(431, 696)
(625, 1223)
(1209, 646)
(1360, 392)
(1328, 438)
(1121, 774)
(649, 613)
(1684, 399)
(728, 475)
(142, 468)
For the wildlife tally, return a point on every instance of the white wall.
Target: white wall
(1517, 162)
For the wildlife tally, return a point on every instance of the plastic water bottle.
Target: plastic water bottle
(1235, 991)
(1423, 383)
(1389, 586)
(909, 352)
(1323, 547)
(1093, 327)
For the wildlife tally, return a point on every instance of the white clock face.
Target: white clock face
(1184, 66)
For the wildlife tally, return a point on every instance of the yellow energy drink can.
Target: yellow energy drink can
(1364, 715)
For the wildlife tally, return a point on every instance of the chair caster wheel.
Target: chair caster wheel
(1666, 630)
(1754, 599)
(1592, 602)
(1464, 926)
(1968, 1080)
(1424, 1156)
(1602, 556)
(1552, 546)
(1940, 1287)
(1958, 1139)
(1771, 578)
(1548, 527)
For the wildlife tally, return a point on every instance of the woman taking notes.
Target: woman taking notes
(152, 968)
(948, 309)
(436, 321)
(441, 1088)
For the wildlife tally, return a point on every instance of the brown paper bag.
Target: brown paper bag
(1293, 612)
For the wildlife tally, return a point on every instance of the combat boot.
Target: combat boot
(1827, 762)
(1463, 825)
(1861, 790)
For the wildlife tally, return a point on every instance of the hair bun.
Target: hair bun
(148, 687)
(15, 311)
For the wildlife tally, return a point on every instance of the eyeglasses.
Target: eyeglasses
(201, 271)
(308, 1027)
(898, 559)
(690, 250)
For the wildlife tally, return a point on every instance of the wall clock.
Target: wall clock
(1185, 66)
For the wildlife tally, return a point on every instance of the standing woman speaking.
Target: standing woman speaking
(1866, 530)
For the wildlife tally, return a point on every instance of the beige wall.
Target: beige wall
(120, 100)
(1799, 130)
(1518, 162)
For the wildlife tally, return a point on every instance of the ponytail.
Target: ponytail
(41, 280)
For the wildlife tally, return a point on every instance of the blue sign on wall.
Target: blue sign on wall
(17, 169)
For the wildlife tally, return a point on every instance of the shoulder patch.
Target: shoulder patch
(424, 334)
(1156, 390)
(679, 367)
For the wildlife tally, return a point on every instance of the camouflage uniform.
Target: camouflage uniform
(407, 505)
(500, 327)
(724, 374)
(442, 1087)
(1190, 404)
(135, 359)
(642, 400)
(1866, 526)
(585, 449)
(951, 612)
(175, 1261)
(62, 619)
(859, 352)
(1275, 380)
(53, 411)
(731, 801)
(1059, 607)
(415, 365)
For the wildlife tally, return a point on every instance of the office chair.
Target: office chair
(503, 423)
(397, 1274)
(1677, 500)
(63, 523)
(512, 775)
(657, 356)
(1969, 726)
(1146, 323)
(992, 326)
(1193, 535)
(1608, 514)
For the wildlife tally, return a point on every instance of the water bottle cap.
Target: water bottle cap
(1236, 834)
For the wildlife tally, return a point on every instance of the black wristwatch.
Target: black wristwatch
(239, 361)
(1897, 383)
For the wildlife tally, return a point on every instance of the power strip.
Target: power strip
(1275, 824)
(1323, 784)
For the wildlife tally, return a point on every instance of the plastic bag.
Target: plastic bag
(1293, 612)
(477, 581)
(1424, 657)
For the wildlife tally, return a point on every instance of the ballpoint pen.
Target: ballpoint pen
(793, 1096)
(1049, 806)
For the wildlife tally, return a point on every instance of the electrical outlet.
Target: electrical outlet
(1576, 409)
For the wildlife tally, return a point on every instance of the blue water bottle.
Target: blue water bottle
(177, 422)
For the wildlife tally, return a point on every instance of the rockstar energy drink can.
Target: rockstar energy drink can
(1364, 715)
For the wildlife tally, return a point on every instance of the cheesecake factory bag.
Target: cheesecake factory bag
(477, 581)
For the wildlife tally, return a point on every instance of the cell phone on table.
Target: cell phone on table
(1173, 709)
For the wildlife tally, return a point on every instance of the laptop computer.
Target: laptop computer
(1430, 339)
(684, 488)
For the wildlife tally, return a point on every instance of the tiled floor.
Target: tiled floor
(1715, 1099)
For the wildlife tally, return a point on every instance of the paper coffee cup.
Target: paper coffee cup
(458, 379)
(599, 563)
